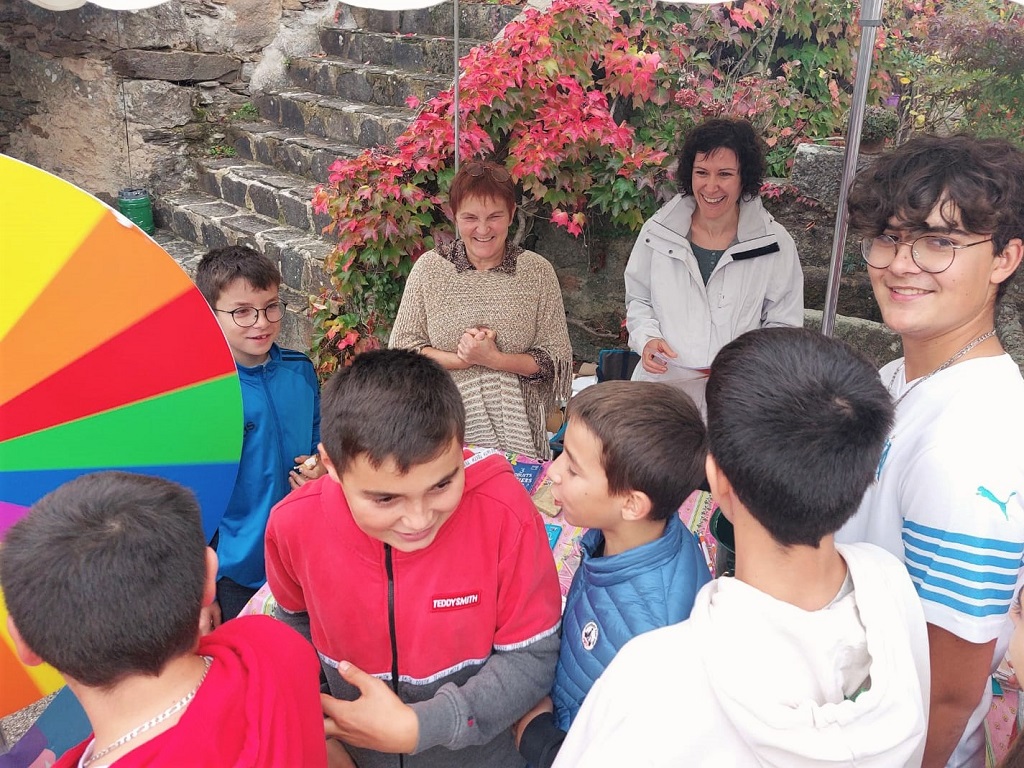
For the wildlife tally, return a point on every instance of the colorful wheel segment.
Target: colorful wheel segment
(110, 359)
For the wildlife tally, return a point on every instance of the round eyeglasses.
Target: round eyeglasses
(931, 253)
(246, 317)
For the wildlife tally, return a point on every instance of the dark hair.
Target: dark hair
(796, 422)
(652, 439)
(728, 133)
(390, 404)
(482, 179)
(978, 181)
(222, 266)
(104, 577)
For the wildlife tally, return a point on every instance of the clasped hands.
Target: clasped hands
(478, 346)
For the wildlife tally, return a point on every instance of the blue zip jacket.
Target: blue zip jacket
(281, 408)
(612, 599)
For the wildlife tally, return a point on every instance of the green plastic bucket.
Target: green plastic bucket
(134, 203)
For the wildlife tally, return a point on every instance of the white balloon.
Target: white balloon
(127, 5)
(114, 5)
(58, 5)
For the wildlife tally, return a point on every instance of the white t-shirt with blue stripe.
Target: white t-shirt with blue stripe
(949, 500)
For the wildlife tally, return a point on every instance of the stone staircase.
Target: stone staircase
(335, 105)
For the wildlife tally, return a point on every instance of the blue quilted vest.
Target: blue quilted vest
(613, 599)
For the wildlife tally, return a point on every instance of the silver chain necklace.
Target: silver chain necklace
(944, 366)
(177, 706)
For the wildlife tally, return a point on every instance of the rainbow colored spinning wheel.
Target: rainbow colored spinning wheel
(110, 359)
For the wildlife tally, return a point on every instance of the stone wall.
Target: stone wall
(68, 79)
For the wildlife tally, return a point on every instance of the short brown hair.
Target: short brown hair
(222, 266)
(652, 440)
(483, 179)
(390, 404)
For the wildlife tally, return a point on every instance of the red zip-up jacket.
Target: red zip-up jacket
(474, 616)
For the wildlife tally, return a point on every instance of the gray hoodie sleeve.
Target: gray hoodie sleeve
(298, 621)
(503, 690)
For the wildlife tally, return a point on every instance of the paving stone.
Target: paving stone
(387, 86)
(476, 20)
(412, 51)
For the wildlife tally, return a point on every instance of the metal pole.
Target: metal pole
(455, 115)
(870, 18)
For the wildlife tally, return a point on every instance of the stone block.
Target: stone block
(247, 226)
(176, 66)
(183, 226)
(214, 236)
(818, 172)
(264, 200)
(158, 104)
(295, 211)
(293, 267)
(234, 189)
(208, 181)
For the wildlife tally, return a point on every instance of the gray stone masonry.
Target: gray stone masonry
(386, 86)
(351, 97)
(176, 66)
(296, 153)
(331, 117)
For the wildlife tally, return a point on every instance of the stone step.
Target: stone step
(365, 125)
(213, 223)
(422, 53)
(269, 192)
(476, 20)
(185, 253)
(387, 86)
(295, 153)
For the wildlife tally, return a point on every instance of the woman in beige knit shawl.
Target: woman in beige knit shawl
(492, 314)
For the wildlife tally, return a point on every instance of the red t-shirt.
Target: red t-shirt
(258, 706)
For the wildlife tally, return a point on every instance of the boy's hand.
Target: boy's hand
(307, 468)
(544, 705)
(376, 720)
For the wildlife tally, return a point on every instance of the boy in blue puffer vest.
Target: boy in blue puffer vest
(634, 451)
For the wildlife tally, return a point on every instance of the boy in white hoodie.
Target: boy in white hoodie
(813, 654)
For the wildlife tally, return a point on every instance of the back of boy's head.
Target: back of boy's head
(390, 404)
(104, 577)
(652, 440)
(222, 266)
(796, 422)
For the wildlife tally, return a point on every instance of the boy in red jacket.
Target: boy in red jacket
(106, 579)
(423, 577)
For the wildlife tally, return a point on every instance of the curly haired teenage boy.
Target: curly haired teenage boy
(942, 220)
(634, 451)
(813, 654)
(281, 410)
(105, 579)
(423, 576)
